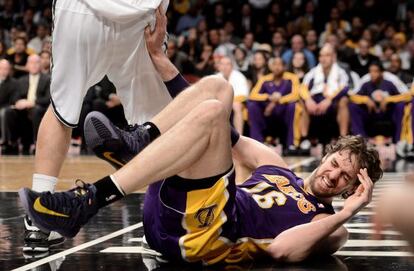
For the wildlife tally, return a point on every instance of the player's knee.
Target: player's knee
(215, 86)
(211, 111)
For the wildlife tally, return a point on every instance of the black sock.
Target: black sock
(235, 136)
(107, 192)
(153, 130)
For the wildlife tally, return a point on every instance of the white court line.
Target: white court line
(342, 203)
(365, 253)
(139, 239)
(301, 163)
(369, 231)
(359, 225)
(376, 243)
(78, 248)
(133, 250)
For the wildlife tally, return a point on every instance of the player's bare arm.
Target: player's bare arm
(154, 40)
(253, 154)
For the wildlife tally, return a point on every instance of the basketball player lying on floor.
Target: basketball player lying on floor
(197, 213)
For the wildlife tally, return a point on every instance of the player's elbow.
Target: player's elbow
(282, 253)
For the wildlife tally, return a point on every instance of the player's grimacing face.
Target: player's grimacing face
(336, 174)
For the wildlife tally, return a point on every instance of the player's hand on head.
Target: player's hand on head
(362, 195)
(155, 38)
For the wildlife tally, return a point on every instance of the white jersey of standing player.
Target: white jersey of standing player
(94, 38)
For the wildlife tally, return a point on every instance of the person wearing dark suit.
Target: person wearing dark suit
(31, 100)
(361, 61)
(8, 87)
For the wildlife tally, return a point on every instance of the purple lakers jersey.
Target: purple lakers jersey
(271, 201)
(219, 221)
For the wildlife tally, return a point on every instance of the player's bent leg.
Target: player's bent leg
(208, 88)
(175, 151)
(118, 146)
(184, 145)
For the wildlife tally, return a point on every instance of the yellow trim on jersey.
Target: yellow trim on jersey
(296, 124)
(359, 99)
(239, 98)
(405, 97)
(203, 219)
(247, 249)
(406, 125)
(293, 96)
(255, 94)
(304, 92)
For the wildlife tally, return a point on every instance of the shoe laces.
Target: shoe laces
(82, 190)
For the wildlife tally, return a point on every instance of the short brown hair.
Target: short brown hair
(367, 157)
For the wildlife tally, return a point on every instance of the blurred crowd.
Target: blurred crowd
(303, 72)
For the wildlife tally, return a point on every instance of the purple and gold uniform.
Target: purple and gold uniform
(287, 110)
(395, 92)
(213, 220)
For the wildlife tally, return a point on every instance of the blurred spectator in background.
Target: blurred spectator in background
(273, 103)
(18, 57)
(312, 42)
(299, 65)
(362, 59)
(42, 33)
(388, 51)
(249, 45)
(324, 92)
(259, 67)
(205, 66)
(240, 87)
(333, 25)
(298, 45)
(188, 20)
(177, 57)
(380, 97)
(3, 49)
(32, 97)
(45, 58)
(278, 44)
(399, 41)
(246, 21)
(241, 62)
(396, 68)
(7, 92)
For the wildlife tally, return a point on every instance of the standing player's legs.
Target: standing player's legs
(79, 61)
(197, 146)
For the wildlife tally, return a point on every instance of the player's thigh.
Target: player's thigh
(217, 158)
(79, 60)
